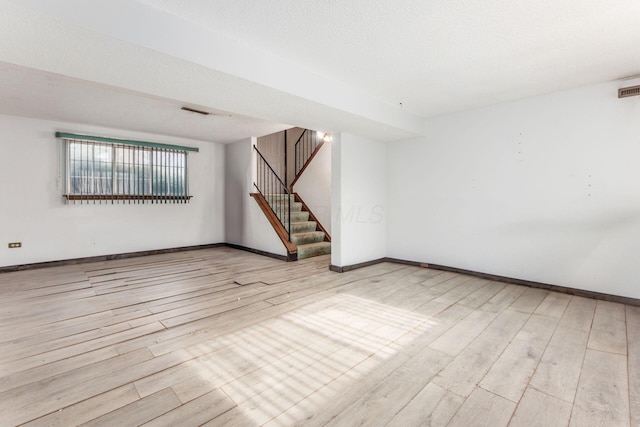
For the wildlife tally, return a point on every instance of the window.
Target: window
(103, 169)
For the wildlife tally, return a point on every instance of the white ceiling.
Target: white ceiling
(437, 56)
(31, 93)
(338, 65)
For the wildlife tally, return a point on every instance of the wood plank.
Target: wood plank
(58, 330)
(440, 285)
(17, 352)
(76, 349)
(195, 413)
(482, 295)
(234, 355)
(503, 299)
(458, 338)
(433, 406)
(342, 392)
(529, 301)
(466, 286)
(307, 405)
(140, 411)
(554, 304)
(250, 314)
(49, 370)
(539, 409)
(483, 409)
(559, 369)
(438, 321)
(89, 409)
(85, 343)
(386, 399)
(609, 330)
(520, 359)
(603, 392)
(633, 362)
(33, 400)
(469, 366)
(579, 314)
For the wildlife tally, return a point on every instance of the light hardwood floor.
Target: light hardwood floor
(225, 337)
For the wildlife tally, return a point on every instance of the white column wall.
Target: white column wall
(359, 226)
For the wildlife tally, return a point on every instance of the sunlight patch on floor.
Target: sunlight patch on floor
(308, 357)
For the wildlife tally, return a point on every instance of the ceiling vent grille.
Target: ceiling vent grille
(193, 110)
(626, 92)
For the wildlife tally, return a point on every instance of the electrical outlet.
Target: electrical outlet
(14, 245)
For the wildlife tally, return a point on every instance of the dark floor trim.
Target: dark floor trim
(100, 258)
(355, 266)
(497, 278)
(291, 257)
(405, 262)
(539, 285)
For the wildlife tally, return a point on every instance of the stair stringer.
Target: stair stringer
(316, 248)
(292, 249)
(317, 240)
(312, 217)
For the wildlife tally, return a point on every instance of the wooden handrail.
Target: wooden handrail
(307, 163)
(292, 249)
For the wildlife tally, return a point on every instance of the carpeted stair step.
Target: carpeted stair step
(304, 234)
(302, 227)
(314, 249)
(272, 198)
(295, 217)
(306, 238)
(282, 206)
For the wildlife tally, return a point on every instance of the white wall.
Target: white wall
(544, 189)
(358, 200)
(314, 186)
(246, 224)
(33, 211)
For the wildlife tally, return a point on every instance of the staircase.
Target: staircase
(304, 230)
(294, 223)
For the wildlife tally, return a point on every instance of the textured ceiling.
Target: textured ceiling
(437, 56)
(376, 68)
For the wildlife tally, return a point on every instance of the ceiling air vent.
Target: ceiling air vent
(626, 92)
(193, 110)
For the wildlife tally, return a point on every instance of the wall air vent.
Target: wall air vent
(626, 92)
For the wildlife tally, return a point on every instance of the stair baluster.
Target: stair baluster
(274, 191)
(305, 146)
